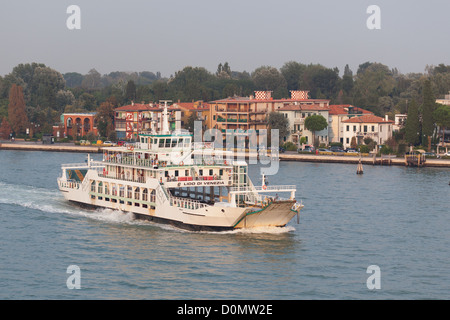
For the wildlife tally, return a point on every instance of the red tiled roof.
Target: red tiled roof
(143, 107)
(311, 107)
(370, 118)
(192, 105)
(336, 109)
(249, 100)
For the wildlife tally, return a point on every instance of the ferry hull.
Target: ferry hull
(159, 220)
(277, 214)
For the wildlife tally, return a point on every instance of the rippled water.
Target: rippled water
(394, 217)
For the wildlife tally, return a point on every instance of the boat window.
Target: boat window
(210, 172)
(174, 142)
(186, 173)
(176, 173)
(137, 193)
(161, 143)
(168, 143)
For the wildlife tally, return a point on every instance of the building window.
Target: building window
(365, 128)
(347, 140)
(354, 128)
(373, 128)
(348, 128)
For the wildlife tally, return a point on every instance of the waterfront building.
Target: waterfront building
(76, 125)
(240, 114)
(134, 118)
(199, 108)
(339, 113)
(399, 121)
(366, 126)
(445, 101)
(296, 115)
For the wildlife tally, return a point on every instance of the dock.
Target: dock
(57, 147)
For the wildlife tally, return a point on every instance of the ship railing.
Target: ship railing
(129, 160)
(203, 145)
(275, 188)
(71, 184)
(187, 203)
(140, 179)
(94, 164)
(210, 162)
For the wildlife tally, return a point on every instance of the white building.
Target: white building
(296, 115)
(445, 101)
(339, 113)
(367, 126)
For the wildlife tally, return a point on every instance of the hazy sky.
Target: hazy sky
(166, 36)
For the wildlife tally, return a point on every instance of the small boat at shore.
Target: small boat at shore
(167, 178)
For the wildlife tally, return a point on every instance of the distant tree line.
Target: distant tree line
(374, 86)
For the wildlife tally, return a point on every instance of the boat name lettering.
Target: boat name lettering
(201, 183)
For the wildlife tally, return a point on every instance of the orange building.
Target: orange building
(76, 125)
(200, 108)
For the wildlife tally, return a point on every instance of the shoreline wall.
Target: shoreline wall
(283, 157)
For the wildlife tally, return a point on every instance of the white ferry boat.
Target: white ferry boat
(167, 178)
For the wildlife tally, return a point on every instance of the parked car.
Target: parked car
(352, 151)
(324, 150)
(121, 143)
(108, 143)
(309, 149)
(430, 154)
(336, 149)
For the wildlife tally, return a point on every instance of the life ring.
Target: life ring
(181, 163)
(225, 162)
(215, 177)
(264, 187)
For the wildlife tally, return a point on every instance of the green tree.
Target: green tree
(428, 108)
(292, 71)
(130, 92)
(372, 81)
(270, 79)
(315, 123)
(412, 126)
(322, 82)
(105, 118)
(442, 118)
(191, 122)
(16, 110)
(277, 121)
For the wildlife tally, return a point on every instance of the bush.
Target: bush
(386, 150)
(364, 149)
(289, 146)
(336, 144)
